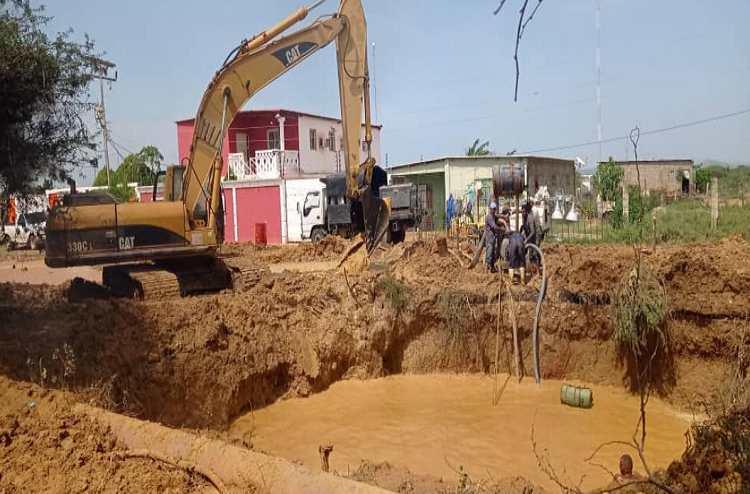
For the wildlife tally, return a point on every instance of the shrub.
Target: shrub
(395, 291)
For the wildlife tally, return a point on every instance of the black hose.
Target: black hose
(535, 336)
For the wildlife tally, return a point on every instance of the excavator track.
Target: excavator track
(160, 281)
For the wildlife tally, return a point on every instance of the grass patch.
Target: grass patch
(452, 307)
(681, 221)
(395, 291)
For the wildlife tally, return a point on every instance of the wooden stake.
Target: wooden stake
(325, 451)
(514, 322)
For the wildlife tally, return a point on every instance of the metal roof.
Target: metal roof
(650, 162)
(282, 110)
(504, 157)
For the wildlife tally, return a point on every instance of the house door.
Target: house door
(242, 144)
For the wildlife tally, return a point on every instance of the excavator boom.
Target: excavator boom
(256, 64)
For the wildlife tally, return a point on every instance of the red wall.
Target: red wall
(256, 124)
(228, 216)
(185, 139)
(253, 123)
(258, 205)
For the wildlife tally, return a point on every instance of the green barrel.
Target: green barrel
(576, 396)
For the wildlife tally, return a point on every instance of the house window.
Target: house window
(313, 139)
(273, 138)
(672, 176)
(332, 141)
(364, 146)
(320, 143)
(341, 143)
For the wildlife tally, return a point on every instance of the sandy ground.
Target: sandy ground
(200, 362)
(33, 270)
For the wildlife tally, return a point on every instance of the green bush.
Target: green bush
(640, 306)
(639, 207)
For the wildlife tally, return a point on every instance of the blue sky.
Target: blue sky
(444, 72)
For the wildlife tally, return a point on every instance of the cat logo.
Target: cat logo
(127, 243)
(289, 55)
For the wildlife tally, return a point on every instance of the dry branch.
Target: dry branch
(210, 476)
(546, 466)
(351, 292)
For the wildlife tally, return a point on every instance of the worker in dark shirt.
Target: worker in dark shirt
(492, 231)
(532, 229)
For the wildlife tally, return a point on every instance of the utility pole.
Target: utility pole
(374, 84)
(101, 72)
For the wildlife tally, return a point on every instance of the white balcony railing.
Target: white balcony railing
(268, 164)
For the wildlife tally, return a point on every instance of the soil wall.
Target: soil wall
(200, 361)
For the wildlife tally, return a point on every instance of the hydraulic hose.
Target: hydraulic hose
(535, 335)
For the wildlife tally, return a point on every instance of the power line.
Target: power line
(648, 132)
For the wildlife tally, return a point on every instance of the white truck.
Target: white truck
(27, 230)
(326, 210)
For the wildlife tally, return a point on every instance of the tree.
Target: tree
(134, 169)
(702, 178)
(607, 179)
(151, 157)
(140, 167)
(43, 99)
(477, 149)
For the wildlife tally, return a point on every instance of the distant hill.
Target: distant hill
(712, 162)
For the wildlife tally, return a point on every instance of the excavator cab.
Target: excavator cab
(170, 181)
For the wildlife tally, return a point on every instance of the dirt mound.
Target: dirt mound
(200, 361)
(717, 461)
(399, 479)
(45, 445)
(328, 249)
(709, 280)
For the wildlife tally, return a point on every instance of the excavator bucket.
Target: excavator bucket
(376, 218)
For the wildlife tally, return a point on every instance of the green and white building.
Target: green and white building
(438, 178)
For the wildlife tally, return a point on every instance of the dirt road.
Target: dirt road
(33, 270)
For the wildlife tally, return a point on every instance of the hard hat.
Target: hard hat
(493, 205)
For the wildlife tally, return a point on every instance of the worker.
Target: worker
(626, 474)
(531, 229)
(626, 469)
(491, 232)
(517, 256)
(505, 216)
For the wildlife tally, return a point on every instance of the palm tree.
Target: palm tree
(477, 149)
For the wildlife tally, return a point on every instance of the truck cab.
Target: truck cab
(326, 210)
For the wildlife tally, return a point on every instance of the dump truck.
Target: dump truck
(326, 210)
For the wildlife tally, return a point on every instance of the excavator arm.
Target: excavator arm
(257, 63)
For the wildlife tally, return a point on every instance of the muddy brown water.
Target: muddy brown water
(434, 423)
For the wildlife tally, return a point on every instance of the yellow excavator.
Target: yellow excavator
(173, 245)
